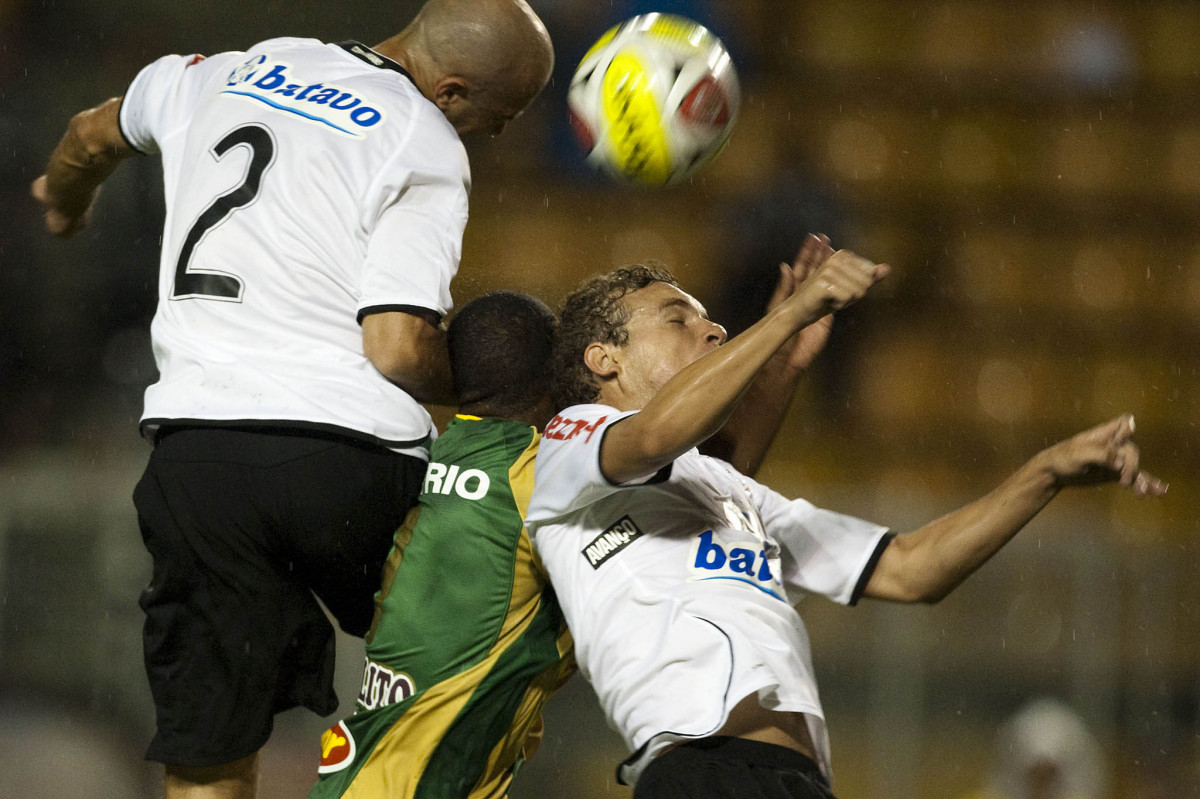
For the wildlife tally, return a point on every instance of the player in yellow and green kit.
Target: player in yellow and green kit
(468, 640)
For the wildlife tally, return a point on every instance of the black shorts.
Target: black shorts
(244, 527)
(731, 768)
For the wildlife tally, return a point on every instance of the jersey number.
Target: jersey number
(220, 285)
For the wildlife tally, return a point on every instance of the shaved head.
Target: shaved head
(487, 40)
(480, 61)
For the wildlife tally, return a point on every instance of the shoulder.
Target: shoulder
(280, 42)
(582, 422)
(570, 443)
(568, 471)
(506, 440)
(431, 141)
(416, 132)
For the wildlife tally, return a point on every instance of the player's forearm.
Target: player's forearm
(930, 562)
(86, 155)
(699, 400)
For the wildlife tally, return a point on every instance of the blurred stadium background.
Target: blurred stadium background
(1031, 170)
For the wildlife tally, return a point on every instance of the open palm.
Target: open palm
(803, 347)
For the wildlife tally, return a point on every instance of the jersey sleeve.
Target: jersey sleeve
(567, 474)
(822, 552)
(161, 99)
(414, 249)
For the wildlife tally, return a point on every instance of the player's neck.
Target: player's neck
(394, 48)
(616, 395)
(537, 416)
(398, 49)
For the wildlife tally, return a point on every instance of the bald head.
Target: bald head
(480, 61)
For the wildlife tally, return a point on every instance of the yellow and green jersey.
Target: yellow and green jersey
(468, 640)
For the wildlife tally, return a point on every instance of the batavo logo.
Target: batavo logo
(276, 85)
(741, 561)
(337, 749)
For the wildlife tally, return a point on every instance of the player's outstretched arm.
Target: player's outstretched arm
(930, 562)
(746, 438)
(697, 401)
(85, 156)
(410, 350)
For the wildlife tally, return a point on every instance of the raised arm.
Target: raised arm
(930, 562)
(85, 156)
(410, 350)
(697, 401)
(747, 437)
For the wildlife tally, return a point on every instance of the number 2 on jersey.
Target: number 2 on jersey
(212, 285)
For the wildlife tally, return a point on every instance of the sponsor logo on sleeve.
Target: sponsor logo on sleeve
(563, 429)
(275, 84)
(337, 749)
(611, 541)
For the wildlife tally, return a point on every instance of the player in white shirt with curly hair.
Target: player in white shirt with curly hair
(678, 575)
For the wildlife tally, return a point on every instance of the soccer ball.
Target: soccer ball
(654, 99)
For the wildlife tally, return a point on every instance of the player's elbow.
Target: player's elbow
(407, 367)
(931, 594)
(909, 592)
(397, 361)
(410, 352)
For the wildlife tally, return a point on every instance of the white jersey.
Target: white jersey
(679, 591)
(307, 185)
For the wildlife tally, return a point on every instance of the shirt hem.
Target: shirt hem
(631, 768)
(418, 311)
(121, 127)
(864, 577)
(152, 426)
(661, 476)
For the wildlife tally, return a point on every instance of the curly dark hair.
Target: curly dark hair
(594, 313)
(499, 344)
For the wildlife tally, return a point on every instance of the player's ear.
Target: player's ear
(448, 91)
(600, 361)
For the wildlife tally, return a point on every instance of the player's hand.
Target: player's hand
(1104, 454)
(803, 347)
(843, 279)
(61, 220)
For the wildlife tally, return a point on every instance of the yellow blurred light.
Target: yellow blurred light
(1004, 390)
(857, 150)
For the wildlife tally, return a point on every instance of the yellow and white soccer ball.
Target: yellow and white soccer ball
(654, 99)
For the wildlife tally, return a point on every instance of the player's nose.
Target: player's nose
(716, 334)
